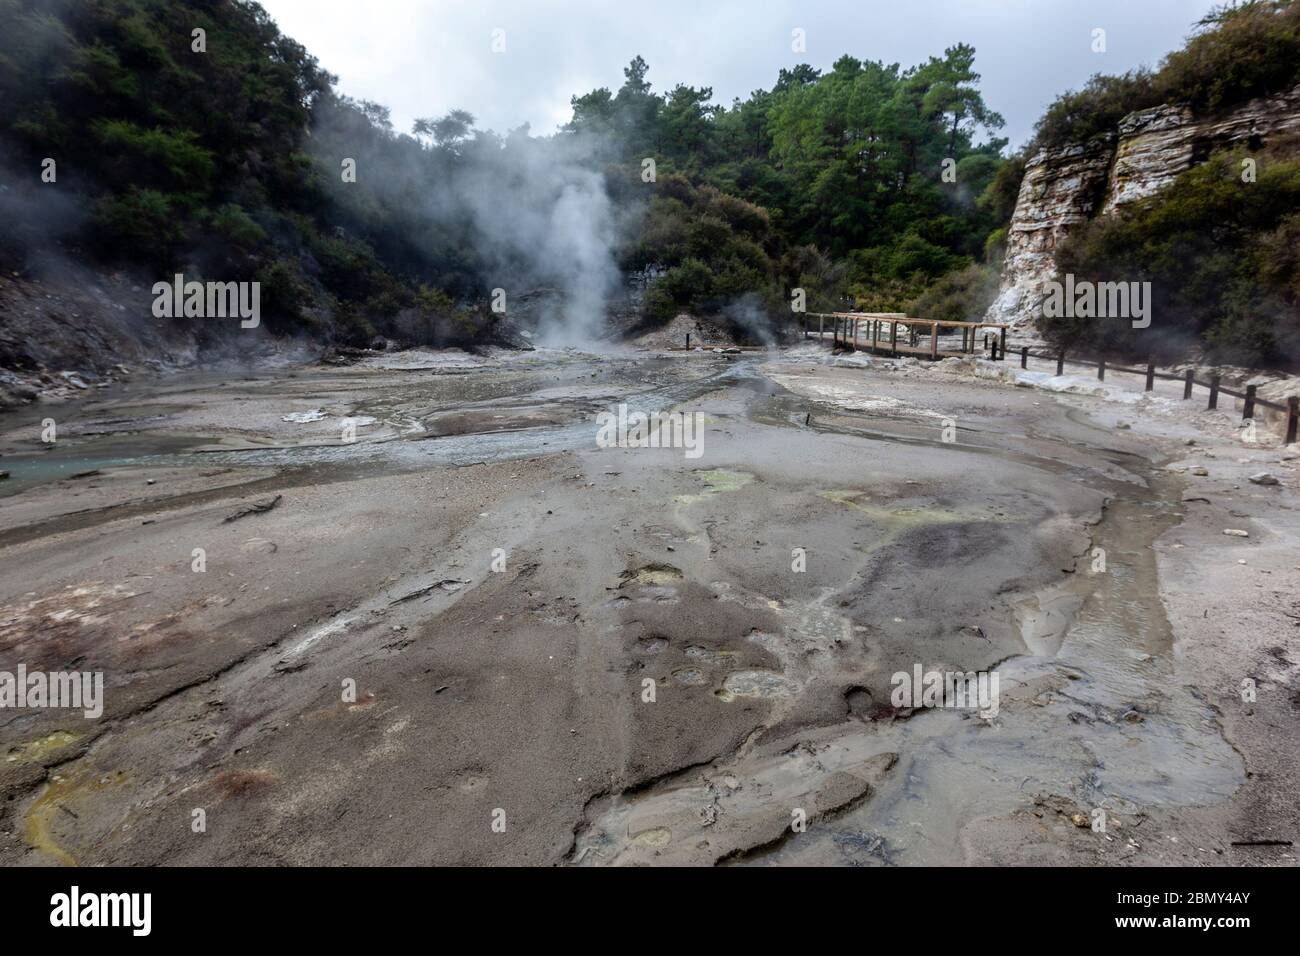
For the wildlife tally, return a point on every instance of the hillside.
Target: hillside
(1187, 178)
(223, 157)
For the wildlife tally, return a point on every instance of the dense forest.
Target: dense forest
(870, 184)
(226, 161)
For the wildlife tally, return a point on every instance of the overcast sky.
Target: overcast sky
(425, 57)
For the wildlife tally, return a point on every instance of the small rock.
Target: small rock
(1263, 478)
(1236, 533)
(1202, 472)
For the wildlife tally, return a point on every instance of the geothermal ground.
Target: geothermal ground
(433, 644)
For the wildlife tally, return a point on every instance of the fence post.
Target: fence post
(1292, 418)
(1151, 375)
(821, 326)
(893, 337)
(1024, 356)
(1060, 363)
(1214, 392)
(986, 341)
(688, 341)
(1101, 370)
(994, 356)
(1248, 409)
(1002, 342)
(1187, 385)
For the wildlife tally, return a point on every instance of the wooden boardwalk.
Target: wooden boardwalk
(895, 333)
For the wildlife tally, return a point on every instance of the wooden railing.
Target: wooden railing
(1249, 397)
(847, 331)
(867, 331)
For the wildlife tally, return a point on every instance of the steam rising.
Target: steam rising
(522, 213)
(543, 218)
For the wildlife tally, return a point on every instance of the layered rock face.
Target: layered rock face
(1067, 186)
(1061, 189)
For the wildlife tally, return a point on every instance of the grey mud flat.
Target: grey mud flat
(517, 696)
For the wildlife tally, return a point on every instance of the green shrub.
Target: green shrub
(960, 296)
(233, 223)
(285, 295)
(140, 224)
(1249, 50)
(1220, 255)
(171, 159)
(1244, 51)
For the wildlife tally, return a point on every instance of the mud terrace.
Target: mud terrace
(395, 642)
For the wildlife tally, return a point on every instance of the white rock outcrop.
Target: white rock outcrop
(1066, 186)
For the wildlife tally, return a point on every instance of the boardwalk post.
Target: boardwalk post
(1248, 409)
(1292, 418)
(893, 337)
(1101, 370)
(994, 355)
(986, 341)
(821, 326)
(1151, 375)
(1060, 363)
(875, 334)
(1214, 392)
(1187, 385)
(1002, 343)
(1024, 356)
(688, 341)
(934, 340)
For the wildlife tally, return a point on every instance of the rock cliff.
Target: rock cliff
(1066, 186)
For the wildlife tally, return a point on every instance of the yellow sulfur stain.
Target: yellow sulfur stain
(59, 792)
(716, 481)
(899, 520)
(37, 750)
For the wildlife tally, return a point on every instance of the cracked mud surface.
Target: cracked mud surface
(523, 689)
